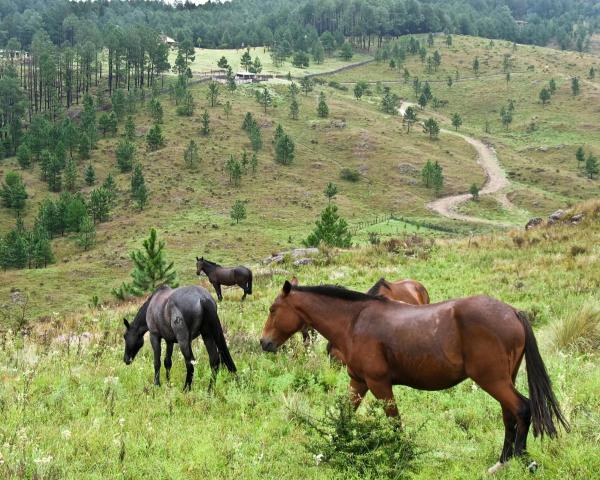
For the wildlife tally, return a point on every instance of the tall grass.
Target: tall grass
(579, 331)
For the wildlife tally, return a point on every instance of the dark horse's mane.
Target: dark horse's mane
(336, 291)
(211, 263)
(375, 288)
(140, 316)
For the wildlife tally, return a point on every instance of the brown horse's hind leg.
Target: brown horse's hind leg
(383, 391)
(358, 390)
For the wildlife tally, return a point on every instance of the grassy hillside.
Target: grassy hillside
(70, 407)
(190, 209)
(538, 149)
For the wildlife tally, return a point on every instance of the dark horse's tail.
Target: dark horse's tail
(544, 406)
(219, 337)
(249, 284)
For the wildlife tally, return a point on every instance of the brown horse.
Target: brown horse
(428, 347)
(218, 275)
(407, 291)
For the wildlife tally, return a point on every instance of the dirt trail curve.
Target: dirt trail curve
(495, 182)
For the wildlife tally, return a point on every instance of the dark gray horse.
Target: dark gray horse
(178, 316)
(218, 275)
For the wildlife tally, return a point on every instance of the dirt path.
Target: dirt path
(495, 182)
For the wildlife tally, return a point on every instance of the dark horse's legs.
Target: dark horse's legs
(217, 287)
(155, 342)
(169, 360)
(185, 344)
(213, 357)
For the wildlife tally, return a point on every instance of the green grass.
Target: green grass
(206, 60)
(73, 410)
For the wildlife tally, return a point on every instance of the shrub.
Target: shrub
(369, 445)
(579, 331)
(350, 174)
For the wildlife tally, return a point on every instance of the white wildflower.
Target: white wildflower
(318, 458)
(43, 460)
(66, 434)
(122, 422)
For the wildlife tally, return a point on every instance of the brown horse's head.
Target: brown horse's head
(199, 265)
(284, 320)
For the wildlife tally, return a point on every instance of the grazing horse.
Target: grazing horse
(408, 291)
(427, 347)
(218, 275)
(178, 316)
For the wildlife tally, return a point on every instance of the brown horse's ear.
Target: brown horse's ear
(294, 281)
(127, 326)
(287, 288)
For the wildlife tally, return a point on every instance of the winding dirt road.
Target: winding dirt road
(495, 182)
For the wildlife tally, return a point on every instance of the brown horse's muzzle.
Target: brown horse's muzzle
(268, 345)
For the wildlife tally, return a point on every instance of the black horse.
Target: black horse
(178, 316)
(218, 275)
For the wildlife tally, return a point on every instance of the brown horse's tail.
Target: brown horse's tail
(249, 285)
(544, 406)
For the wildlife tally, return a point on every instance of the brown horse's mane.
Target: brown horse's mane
(375, 288)
(336, 291)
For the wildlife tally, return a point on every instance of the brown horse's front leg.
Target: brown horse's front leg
(383, 391)
(358, 390)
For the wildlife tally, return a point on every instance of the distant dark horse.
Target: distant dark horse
(218, 275)
(178, 316)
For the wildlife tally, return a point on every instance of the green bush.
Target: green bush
(350, 174)
(370, 445)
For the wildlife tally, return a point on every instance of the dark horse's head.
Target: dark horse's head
(284, 320)
(199, 265)
(134, 333)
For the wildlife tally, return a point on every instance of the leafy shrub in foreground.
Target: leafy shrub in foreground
(370, 445)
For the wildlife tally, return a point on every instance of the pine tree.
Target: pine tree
(156, 110)
(150, 268)
(306, 84)
(155, 139)
(86, 237)
(474, 191)
(456, 121)
(99, 205)
(84, 147)
(346, 52)
(24, 156)
(580, 156)
(476, 66)
(330, 229)
(330, 191)
(246, 60)
(545, 95)
(322, 108)
(264, 98)
(255, 137)
(431, 127)
(552, 86)
(191, 156)
(427, 173)
(254, 163)
(53, 174)
(129, 130)
(90, 175)
(40, 247)
(205, 121)
(410, 118)
(125, 153)
(238, 211)
(88, 120)
(437, 178)
(213, 93)
(591, 166)
(506, 117)
(139, 191)
(575, 86)
(12, 191)
(284, 150)
(70, 175)
(389, 102)
(294, 108)
(110, 186)
(227, 109)
(278, 133)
